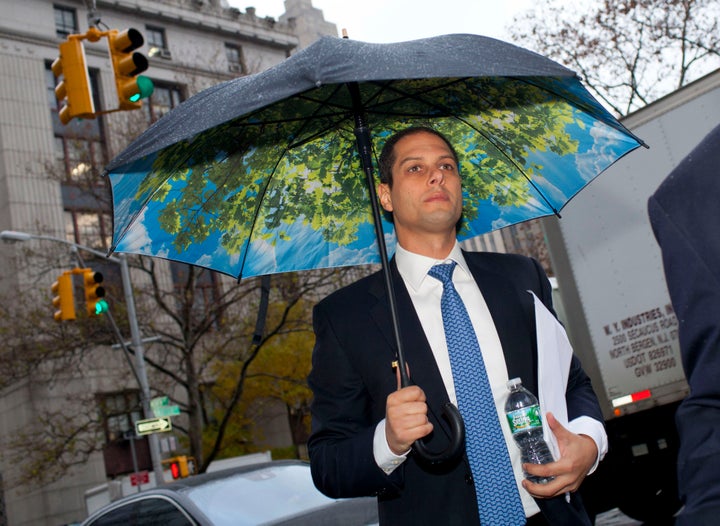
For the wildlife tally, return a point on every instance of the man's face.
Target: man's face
(426, 197)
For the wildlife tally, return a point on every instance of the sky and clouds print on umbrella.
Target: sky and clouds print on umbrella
(281, 188)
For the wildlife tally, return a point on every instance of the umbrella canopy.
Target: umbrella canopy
(263, 174)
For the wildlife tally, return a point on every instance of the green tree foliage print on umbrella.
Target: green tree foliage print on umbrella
(281, 187)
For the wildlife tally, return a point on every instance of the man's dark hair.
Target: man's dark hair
(387, 155)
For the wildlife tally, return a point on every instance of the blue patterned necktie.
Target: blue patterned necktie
(498, 499)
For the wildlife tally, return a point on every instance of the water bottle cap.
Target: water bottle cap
(514, 383)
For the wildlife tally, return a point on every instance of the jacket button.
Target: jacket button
(468, 479)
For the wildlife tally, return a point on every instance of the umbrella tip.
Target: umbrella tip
(345, 33)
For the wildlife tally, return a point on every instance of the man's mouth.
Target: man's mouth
(437, 196)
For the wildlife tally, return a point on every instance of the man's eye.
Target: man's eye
(449, 167)
(414, 169)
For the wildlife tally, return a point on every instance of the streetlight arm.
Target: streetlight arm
(14, 236)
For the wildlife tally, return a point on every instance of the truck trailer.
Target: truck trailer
(613, 300)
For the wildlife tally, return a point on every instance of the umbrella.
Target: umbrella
(263, 173)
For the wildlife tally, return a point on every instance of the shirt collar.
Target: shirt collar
(414, 268)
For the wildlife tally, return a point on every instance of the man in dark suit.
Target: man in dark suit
(364, 424)
(685, 216)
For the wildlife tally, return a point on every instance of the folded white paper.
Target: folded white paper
(554, 355)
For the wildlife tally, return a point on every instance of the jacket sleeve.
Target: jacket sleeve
(684, 217)
(341, 442)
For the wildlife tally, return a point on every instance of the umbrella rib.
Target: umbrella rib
(256, 213)
(284, 120)
(489, 138)
(321, 104)
(304, 123)
(336, 117)
(346, 111)
(389, 85)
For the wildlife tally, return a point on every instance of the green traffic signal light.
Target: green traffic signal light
(101, 307)
(145, 88)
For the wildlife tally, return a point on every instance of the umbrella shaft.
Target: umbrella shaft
(362, 136)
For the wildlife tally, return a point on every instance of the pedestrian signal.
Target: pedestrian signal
(127, 66)
(181, 466)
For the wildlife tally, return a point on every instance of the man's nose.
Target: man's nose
(437, 176)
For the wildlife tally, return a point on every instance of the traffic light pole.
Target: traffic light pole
(136, 339)
(137, 345)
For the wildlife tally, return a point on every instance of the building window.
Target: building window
(163, 99)
(88, 227)
(156, 42)
(80, 155)
(79, 145)
(234, 58)
(119, 412)
(81, 158)
(50, 84)
(65, 21)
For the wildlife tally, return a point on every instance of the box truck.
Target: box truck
(613, 300)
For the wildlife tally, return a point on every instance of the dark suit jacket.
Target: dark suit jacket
(685, 216)
(352, 377)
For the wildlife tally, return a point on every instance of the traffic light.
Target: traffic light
(74, 89)
(64, 298)
(127, 64)
(94, 292)
(181, 466)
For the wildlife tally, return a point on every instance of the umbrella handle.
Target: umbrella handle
(457, 440)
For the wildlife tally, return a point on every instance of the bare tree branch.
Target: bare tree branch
(628, 52)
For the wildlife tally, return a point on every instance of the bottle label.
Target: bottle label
(525, 419)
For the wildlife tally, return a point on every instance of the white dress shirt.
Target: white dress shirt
(425, 293)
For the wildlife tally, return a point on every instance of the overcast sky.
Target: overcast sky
(400, 20)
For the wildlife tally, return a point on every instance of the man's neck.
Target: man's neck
(436, 247)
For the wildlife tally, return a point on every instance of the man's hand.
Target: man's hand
(405, 418)
(577, 455)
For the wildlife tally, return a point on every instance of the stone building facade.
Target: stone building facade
(190, 44)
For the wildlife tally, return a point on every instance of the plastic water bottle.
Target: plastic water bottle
(523, 414)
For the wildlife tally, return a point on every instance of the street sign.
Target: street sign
(139, 478)
(167, 410)
(153, 425)
(161, 407)
(159, 402)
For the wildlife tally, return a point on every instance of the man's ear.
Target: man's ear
(383, 191)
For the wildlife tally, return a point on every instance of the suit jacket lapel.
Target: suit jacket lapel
(416, 349)
(513, 314)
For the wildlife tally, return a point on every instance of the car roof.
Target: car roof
(203, 478)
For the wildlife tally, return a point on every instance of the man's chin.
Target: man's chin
(443, 222)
